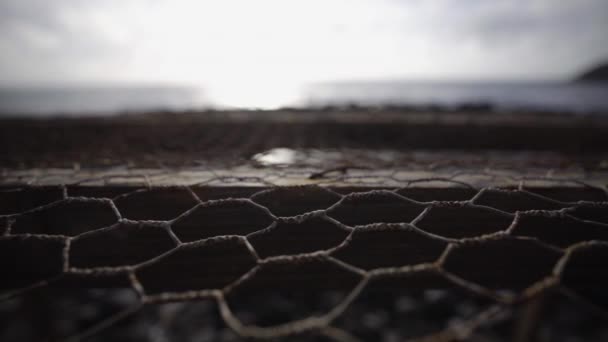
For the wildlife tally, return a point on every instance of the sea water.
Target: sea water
(498, 96)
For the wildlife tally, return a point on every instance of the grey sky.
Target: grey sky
(222, 42)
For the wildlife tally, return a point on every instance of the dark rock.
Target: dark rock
(598, 73)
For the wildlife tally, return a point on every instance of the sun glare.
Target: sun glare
(254, 96)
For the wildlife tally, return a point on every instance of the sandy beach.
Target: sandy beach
(333, 224)
(189, 139)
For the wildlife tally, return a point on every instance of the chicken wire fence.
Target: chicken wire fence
(345, 255)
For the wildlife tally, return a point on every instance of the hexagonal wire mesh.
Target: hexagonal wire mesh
(363, 257)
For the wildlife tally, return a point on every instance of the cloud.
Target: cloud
(236, 41)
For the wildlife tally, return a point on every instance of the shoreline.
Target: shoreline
(467, 108)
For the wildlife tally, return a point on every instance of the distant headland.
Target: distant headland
(597, 73)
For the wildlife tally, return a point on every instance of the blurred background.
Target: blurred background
(381, 101)
(83, 57)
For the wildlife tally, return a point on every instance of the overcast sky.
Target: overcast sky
(227, 41)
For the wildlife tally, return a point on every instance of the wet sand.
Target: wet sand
(219, 138)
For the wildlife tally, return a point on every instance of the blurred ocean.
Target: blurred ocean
(499, 96)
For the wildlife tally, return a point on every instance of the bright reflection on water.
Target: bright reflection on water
(277, 156)
(260, 95)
